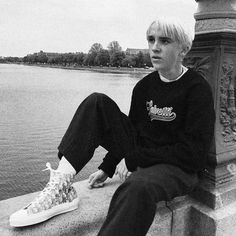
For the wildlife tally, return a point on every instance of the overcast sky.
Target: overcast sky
(28, 26)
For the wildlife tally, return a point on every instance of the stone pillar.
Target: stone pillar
(214, 55)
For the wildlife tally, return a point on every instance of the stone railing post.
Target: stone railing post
(214, 55)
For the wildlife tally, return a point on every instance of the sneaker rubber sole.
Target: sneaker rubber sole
(21, 218)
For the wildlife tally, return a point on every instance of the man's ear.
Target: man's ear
(184, 51)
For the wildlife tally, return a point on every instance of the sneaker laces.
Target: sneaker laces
(49, 188)
(48, 165)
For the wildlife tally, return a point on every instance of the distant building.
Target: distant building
(49, 54)
(135, 51)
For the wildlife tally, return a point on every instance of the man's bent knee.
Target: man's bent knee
(97, 96)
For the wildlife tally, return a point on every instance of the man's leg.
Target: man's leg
(97, 121)
(133, 206)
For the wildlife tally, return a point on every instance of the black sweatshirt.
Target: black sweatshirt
(174, 122)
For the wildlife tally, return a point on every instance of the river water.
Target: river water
(36, 107)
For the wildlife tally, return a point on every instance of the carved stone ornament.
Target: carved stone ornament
(227, 102)
(215, 25)
(199, 64)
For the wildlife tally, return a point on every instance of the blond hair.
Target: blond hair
(174, 29)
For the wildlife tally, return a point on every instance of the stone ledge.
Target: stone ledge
(205, 221)
(88, 218)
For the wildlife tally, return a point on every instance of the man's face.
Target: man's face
(165, 53)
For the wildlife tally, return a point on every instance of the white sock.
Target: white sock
(65, 167)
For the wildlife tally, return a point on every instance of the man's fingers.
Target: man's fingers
(92, 181)
(95, 183)
(91, 177)
(90, 184)
(122, 171)
(124, 175)
(98, 185)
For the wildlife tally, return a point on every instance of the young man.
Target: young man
(164, 141)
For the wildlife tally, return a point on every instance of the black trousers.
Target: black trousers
(98, 121)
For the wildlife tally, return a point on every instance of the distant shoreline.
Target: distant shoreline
(102, 69)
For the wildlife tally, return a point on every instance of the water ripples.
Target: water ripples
(36, 106)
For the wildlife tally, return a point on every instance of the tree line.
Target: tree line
(96, 56)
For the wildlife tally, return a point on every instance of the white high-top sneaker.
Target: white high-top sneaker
(59, 196)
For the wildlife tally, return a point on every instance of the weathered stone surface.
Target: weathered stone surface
(180, 208)
(215, 25)
(162, 222)
(86, 220)
(183, 216)
(205, 221)
(215, 9)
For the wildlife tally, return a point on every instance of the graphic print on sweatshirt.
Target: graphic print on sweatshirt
(163, 114)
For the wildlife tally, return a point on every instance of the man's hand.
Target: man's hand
(96, 180)
(122, 171)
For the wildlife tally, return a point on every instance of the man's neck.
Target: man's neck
(164, 79)
(172, 75)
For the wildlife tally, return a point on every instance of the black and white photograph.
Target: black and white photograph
(118, 118)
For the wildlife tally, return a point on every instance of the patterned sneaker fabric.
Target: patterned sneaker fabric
(59, 190)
